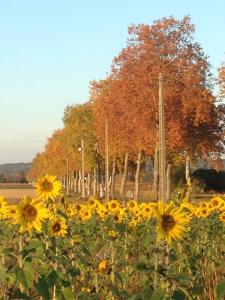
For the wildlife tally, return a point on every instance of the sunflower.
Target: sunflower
(57, 227)
(222, 217)
(30, 213)
(48, 187)
(146, 210)
(3, 208)
(85, 213)
(93, 202)
(216, 202)
(102, 211)
(131, 205)
(71, 210)
(119, 215)
(103, 266)
(113, 205)
(171, 222)
(133, 223)
(113, 234)
(204, 212)
(11, 211)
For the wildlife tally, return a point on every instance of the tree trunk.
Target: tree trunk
(101, 190)
(79, 182)
(123, 182)
(137, 177)
(106, 163)
(95, 183)
(188, 179)
(162, 147)
(113, 178)
(168, 179)
(75, 182)
(89, 184)
(67, 175)
(187, 169)
(156, 173)
(83, 175)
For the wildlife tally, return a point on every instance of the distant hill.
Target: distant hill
(14, 169)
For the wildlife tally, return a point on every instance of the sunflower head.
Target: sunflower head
(103, 266)
(131, 205)
(204, 212)
(48, 187)
(58, 227)
(3, 208)
(216, 202)
(113, 234)
(85, 213)
(172, 222)
(93, 203)
(112, 206)
(222, 217)
(30, 213)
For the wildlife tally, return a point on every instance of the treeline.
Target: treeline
(115, 132)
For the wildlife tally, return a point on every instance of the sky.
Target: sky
(50, 50)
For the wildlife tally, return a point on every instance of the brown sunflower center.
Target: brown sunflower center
(56, 227)
(78, 207)
(29, 213)
(215, 202)
(168, 222)
(113, 205)
(47, 186)
(116, 218)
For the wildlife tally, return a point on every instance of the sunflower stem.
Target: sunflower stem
(112, 262)
(20, 258)
(96, 283)
(155, 278)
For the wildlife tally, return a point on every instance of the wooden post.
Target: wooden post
(106, 162)
(162, 159)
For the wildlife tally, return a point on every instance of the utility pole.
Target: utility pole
(162, 149)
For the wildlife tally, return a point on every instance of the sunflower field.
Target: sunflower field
(54, 249)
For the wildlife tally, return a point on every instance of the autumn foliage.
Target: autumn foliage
(129, 96)
(128, 100)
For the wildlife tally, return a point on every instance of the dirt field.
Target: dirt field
(13, 195)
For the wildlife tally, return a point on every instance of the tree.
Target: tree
(128, 97)
(221, 80)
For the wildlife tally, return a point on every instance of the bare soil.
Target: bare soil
(13, 195)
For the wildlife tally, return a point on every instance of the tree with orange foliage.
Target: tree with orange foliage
(52, 160)
(221, 80)
(128, 98)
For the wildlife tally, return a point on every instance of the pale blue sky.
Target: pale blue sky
(51, 50)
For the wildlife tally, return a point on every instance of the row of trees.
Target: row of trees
(119, 122)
